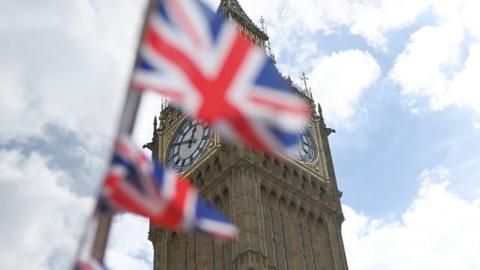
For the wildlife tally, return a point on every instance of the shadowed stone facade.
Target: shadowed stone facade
(288, 212)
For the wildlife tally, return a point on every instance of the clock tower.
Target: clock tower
(288, 212)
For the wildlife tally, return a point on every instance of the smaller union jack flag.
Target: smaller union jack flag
(211, 71)
(136, 184)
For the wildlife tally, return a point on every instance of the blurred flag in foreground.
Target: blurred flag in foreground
(136, 184)
(213, 73)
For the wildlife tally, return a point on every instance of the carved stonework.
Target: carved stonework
(288, 212)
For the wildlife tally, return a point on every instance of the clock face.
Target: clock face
(307, 148)
(187, 145)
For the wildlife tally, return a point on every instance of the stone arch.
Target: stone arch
(266, 160)
(286, 172)
(292, 206)
(207, 169)
(282, 201)
(228, 152)
(322, 193)
(320, 220)
(217, 201)
(272, 197)
(199, 178)
(305, 185)
(301, 211)
(225, 192)
(275, 161)
(310, 217)
(216, 163)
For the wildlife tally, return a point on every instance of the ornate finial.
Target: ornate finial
(320, 112)
(155, 127)
(307, 90)
(267, 42)
(164, 103)
(262, 22)
(304, 78)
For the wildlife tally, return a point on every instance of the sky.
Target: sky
(396, 79)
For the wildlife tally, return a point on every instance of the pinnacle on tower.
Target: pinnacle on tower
(320, 114)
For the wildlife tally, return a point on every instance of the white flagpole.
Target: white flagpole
(127, 123)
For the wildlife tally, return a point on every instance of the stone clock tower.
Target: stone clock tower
(289, 213)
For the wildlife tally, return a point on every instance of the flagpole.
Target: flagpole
(127, 123)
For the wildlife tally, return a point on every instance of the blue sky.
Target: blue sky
(380, 160)
(397, 79)
(387, 143)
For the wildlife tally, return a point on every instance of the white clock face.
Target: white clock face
(187, 145)
(307, 149)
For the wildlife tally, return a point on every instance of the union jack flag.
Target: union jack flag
(198, 59)
(138, 185)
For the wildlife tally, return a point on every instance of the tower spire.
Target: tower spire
(232, 9)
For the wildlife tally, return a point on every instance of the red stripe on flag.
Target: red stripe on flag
(174, 55)
(300, 110)
(185, 22)
(215, 105)
(121, 197)
(174, 212)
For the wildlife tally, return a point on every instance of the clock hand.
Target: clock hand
(185, 142)
(191, 137)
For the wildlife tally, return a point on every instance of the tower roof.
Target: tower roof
(233, 9)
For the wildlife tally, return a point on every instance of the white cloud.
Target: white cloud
(465, 84)
(338, 80)
(41, 219)
(65, 62)
(419, 68)
(438, 231)
(64, 65)
(440, 62)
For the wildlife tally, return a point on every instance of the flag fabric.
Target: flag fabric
(211, 71)
(136, 184)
